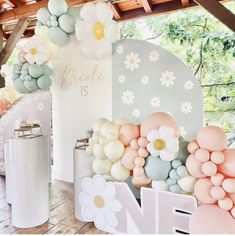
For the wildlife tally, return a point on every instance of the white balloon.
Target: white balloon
(119, 172)
(187, 183)
(89, 151)
(114, 150)
(99, 123)
(96, 137)
(160, 185)
(101, 167)
(98, 151)
(122, 121)
(104, 12)
(109, 127)
(111, 31)
(88, 13)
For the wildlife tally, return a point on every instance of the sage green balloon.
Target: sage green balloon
(44, 82)
(67, 23)
(19, 86)
(57, 35)
(57, 7)
(35, 71)
(156, 169)
(43, 15)
(46, 70)
(183, 152)
(75, 13)
(15, 76)
(31, 85)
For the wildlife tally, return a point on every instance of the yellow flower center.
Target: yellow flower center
(4, 75)
(33, 51)
(98, 31)
(159, 144)
(99, 201)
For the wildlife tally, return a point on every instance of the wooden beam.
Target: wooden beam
(147, 5)
(1, 38)
(13, 39)
(116, 10)
(185, 2)
(15, 3)
(219, 11)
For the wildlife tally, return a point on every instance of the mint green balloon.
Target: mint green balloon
(35, 71)
(75, 13)
(67, 23)
(57, 35)
(19, 86)
(175, 188)
(44, 82)
(15, 76)
(46, 70)
(57, 7)
(156, 169)
(183, 152)
(43, 15)
(31, 85)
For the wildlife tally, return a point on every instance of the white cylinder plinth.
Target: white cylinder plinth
(8, 161)
(30, 188)
(82, 168)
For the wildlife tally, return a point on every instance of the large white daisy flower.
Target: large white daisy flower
(96, 31)
(98, 202)
(163, 143)
(36, 52)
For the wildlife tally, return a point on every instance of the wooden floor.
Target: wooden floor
(61, 221)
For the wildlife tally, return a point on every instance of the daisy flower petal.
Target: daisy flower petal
(167, 156)
(166, 131)
(172, 144)
(152, 135)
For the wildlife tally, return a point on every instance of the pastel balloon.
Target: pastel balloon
(44, 82)
(217, 157)
(143, 142)
(57, 35)
(210, 219)
(183, 151)
(98, 123)
(232, 197)
(209, 168)
(139, 161)
(194, 167)
(19, 86)
(128, 158)
(233, 212)
(217, 179)
(227, 168)
(229, 185)
(142, 181)
(98, 151)
(114, 150)
(128, 132)
(202, 190)
(74, 12)
(134, 144)
(187, 183)
(101, 166)
(217, 193)
(225, 204)
(175, 188)
(192, 147)
(31, 85)
(47, 70)
(89, 151)
(109, 127)
(211, 138)
(43, 15)
(119, 172)
(122, 121)
(143, 152)
(156, 169)
(4, 105)
(157, 119)
(67, 23)
(57, 7)
(138, 171)
(160, 185)
(35, 71)
(202, 155)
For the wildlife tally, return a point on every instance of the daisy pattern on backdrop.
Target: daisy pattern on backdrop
(155, 101)
(121, 79)
(153, 56)
(188, 85)
(128, 97)
(145, 80)
(167, 78)
(136, 112)
(98, 202)
(132, 61)
(119, 49)
(186, 107)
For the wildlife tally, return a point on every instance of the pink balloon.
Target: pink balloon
(194, 167)
(210, 219)
(128, 132)
(209, 168)
(143, 142)
(211, 138)
(202, 155)
(143, 152)
(228, 166)
(202, 191)
(217, 179)
(157, 119)
(193, 147)
(4, 106)
(134, 144)
(141, 181)
(139, 161)
(128, 158)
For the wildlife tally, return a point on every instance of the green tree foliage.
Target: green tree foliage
(206, 46)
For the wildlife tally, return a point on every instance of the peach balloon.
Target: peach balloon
(232, 197)
(143, 142)
(229, 185)
(202, 155)
(142, 181)
(143, 152)
(210, 219)
(225, 204)
(217, 157)
(4, 106)
(192, 147)
(211, 138)
(202, 190)
(157, 119)
(233, 212)
(217, 193)
(228, 166)
(128, 158)
(134, 144)
(194, 167)
(138, 171)
(139, 161)
(217, 179)
(128, 132)
(209, 168)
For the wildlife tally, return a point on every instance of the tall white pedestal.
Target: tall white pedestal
(29, 179)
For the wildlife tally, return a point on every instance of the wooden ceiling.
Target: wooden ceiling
(12, 10)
